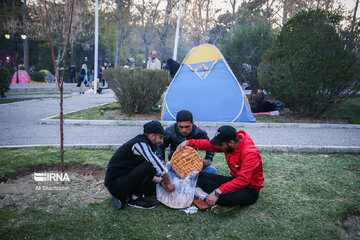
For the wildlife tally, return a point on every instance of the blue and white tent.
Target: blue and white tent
(206, 86)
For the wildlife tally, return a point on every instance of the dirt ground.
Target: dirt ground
(351, 224)
(86, 186)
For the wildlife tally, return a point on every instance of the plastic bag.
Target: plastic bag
(183, 195)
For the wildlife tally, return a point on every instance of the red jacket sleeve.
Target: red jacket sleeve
(203, 144)
(244, 176)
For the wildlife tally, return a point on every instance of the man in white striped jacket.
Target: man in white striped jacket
(130, 174)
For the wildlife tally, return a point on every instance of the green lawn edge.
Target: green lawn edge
(305, 196)
(348, 109)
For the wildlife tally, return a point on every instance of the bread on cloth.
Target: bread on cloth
(186, 161)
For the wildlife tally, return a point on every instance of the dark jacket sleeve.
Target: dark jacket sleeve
(203, 135)
(160, 151)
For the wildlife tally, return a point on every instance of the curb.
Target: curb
(261, 148)
(79, 122)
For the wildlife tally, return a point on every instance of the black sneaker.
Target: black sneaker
(117, 204)
(142, 202)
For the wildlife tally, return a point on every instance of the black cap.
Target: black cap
(224, 134)
(154, 127)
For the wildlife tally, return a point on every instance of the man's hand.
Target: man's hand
(182, 145)
(206, 163)
(170, 187)
(167, 184)
(212, 199)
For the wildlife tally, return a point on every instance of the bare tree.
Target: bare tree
(233, 22)
(355, 26)
(60, 81)
(163, 33)
(25, 43)
(12, 22)
(122, 19)
(269, 8)
(148, 14)
(292, 7)
(58, 11)
(199, 18)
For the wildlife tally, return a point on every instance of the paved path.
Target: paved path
(19, 121)
(20, 126)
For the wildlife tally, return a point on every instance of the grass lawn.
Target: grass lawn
(93, 113)
(30, 94)
(304, 197)
(5, 101)
(267, 119)
(98, 113)
(349, 109)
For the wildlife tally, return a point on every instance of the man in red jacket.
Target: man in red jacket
(245, 164)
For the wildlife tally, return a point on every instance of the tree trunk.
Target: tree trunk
(14, 55)
(58, 61)
(254, 81)
(327, 5)
(285, 12)
(60, 58)
(353, 23)
(62, 127)
(118, 47)
(73, 56)
(233, 22)
(207, 19)
(147, 51)
(119, 16)
(26, 54)
(25, 44)
(164, 31)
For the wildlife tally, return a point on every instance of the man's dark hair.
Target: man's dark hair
(183, 116)
(173, 66)
(236, 140)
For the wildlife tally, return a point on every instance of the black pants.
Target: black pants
(80, 80)
(138, 182)
(72, 78)
(209, 182)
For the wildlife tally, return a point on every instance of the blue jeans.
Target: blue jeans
(210, 169)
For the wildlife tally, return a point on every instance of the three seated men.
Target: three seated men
(133, 169)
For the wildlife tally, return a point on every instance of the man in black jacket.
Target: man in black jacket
(184, 129)
(131, 171)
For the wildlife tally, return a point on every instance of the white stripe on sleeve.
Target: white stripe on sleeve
(144, 150)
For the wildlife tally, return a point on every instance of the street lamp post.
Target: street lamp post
(96, 61)
(177, 32)
(23, 37)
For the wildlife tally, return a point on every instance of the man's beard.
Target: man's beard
(228, 149)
